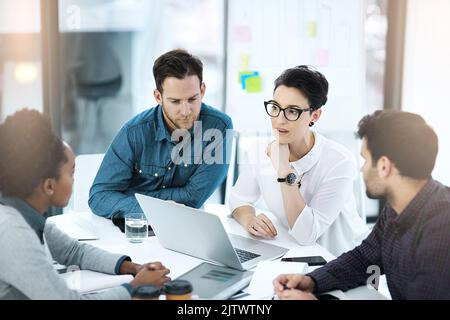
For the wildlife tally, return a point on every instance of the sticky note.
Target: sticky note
(244, 61)
(322, 57)
(246, 74)
(242, 33)
(253, 84)
(311, 29)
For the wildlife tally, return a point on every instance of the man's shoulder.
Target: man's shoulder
(443, 189)
(439, 204)
(215, 118)
(144, 118)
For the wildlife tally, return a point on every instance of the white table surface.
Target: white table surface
(113, 240)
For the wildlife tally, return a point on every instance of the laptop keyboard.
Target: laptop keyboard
(246, 255)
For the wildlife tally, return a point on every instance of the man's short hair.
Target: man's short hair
(176, 63)
(404, 138)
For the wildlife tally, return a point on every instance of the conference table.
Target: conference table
(86, 225)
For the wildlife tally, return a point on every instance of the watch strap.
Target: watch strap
(298, 182)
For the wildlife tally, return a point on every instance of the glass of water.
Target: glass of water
(136, 227)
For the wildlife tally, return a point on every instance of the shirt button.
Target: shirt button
(156, 174)
(164, 187)
(185, 165)
(169, 168)
(140, 171)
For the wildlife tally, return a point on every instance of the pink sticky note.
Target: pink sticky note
(322, 57)
(242, 33)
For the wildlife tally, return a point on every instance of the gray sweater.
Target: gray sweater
(26, 266)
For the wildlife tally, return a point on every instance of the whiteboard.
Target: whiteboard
(270, 36)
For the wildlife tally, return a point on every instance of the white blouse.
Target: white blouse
(330, 216)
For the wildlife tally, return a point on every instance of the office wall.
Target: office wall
(427, 72)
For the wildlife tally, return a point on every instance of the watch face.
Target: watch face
(291, 177)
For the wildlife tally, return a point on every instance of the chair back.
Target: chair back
(86, 168)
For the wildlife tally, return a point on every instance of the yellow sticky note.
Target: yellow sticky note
(244, 61)
(311, 29)
(253, 84)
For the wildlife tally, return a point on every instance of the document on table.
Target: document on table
(85, 281)
(261, 284)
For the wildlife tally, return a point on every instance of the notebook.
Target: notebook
(216, 282)
(261, 286)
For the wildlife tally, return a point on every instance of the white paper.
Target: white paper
(85, 281)
(261, 285)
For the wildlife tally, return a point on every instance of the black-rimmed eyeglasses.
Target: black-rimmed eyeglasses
(273, 109)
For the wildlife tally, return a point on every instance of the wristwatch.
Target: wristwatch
(291, 179)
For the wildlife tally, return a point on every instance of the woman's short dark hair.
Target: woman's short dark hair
(176, 63)
(311, 83)
(29, 153)
(404, 138)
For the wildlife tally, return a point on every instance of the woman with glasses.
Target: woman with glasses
(305, 179)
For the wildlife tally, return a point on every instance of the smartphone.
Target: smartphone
(311, 260)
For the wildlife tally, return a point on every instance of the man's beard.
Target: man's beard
(175, 123)
(372, 191)
(371, 195)
(376, 195)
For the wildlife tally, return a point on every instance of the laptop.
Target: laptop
(201, 234)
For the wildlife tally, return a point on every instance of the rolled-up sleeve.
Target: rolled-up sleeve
(107, 196)
(68, 251)
(326, 204)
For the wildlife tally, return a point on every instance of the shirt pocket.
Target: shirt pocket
(183, 172)
(152, 174)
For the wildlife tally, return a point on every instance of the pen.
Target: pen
(275, 297)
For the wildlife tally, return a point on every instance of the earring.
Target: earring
(311, 124)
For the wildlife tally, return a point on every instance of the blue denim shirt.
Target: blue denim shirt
(139, 160)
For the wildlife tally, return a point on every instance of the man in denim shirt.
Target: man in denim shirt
(175, 151)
